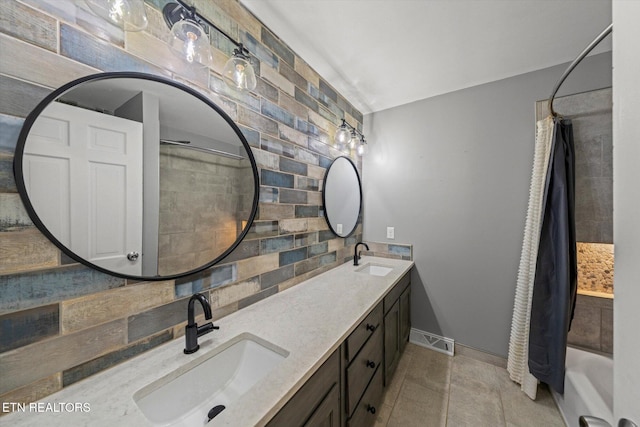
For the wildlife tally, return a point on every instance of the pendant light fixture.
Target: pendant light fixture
(191, 43)
(362, 147)
(238, 72)
(126, 14)
(343, 134)
(353, 142)
(348, 138)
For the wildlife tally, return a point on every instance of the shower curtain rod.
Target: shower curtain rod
(575, 62)
(203, 149)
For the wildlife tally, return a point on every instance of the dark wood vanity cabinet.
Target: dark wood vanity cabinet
(397, 324)
(347, 389)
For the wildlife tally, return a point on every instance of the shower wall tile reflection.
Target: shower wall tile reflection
(204, 200)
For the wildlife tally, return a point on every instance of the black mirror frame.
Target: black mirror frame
(324, 204)
(34, 114)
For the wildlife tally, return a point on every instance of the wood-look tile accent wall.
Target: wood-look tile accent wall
(60, 321)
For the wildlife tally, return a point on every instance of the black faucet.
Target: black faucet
(192, 331)
(356, 256)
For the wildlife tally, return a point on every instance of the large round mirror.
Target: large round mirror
(136, 175)
(342, 196)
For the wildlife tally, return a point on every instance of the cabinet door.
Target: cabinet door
(302, 407)
(328, 413)
(391, 341)
(405, 317)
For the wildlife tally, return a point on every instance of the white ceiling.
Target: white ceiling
(178, 110)
(382, 53)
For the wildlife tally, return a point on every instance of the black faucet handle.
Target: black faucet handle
(206, 328)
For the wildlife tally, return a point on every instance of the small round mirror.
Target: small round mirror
(342, 196)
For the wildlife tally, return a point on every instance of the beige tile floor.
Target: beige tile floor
(432, 389)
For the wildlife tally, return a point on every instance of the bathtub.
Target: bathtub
(588, 387)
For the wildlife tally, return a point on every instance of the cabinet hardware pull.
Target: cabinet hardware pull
(371, 364)
(371, 327)
(371, 409)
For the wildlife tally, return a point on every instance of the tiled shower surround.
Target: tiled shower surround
(61, 321)
(595, 267)
(592, 326)
(591, 115)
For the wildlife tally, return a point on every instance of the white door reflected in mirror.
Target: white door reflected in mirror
(83, 172)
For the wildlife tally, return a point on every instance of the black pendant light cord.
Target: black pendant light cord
(352, 129)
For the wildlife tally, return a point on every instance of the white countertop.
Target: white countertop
(309, 321)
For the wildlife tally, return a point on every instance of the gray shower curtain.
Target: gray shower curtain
(554, 289)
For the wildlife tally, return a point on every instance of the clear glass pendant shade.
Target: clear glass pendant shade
(342, 135)
(354, 140)
(362, 149)
(239, 74)
(190, 42)
(127, 14)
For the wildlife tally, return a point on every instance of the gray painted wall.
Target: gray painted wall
(451, 174)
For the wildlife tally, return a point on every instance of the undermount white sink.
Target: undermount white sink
(185, 396)
(375, 269)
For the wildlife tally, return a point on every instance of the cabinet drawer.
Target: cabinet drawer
(361, 370)
(366, 412)
(394, 294)
(364, 330)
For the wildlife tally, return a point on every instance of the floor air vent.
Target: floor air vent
(432, 341)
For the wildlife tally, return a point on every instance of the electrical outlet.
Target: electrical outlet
(339, 229)
(391, 233)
